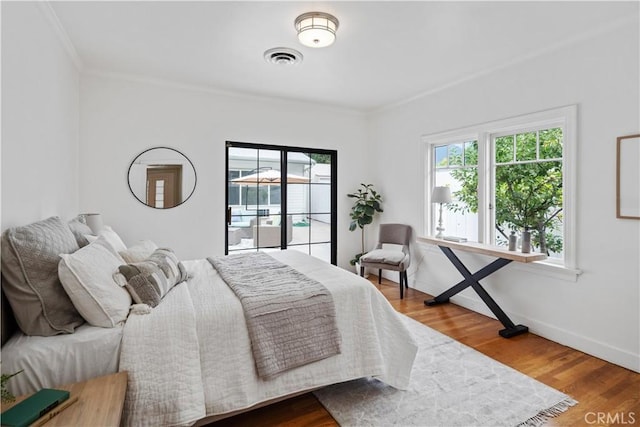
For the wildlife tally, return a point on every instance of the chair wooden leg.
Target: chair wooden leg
(406, 280)
(401, 285)
(361, 270)
(379, 276)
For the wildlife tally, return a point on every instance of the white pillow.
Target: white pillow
(87, 277)
(138, 252)
(111, 237)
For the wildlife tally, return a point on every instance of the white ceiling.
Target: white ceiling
(385, 52)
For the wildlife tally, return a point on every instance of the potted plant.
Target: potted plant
(366, 204)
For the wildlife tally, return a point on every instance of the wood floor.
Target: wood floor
(607, 394)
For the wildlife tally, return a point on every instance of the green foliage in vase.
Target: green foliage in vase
(366, 204)
(6, 395)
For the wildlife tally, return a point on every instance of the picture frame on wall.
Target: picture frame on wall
(628, 177)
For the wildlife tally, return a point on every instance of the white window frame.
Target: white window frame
(563, 117)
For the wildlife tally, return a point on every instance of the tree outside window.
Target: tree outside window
(527, 177)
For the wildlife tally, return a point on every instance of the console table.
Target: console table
(504, 257)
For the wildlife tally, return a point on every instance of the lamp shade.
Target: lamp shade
(441, 195)
(316, 29)
(93, 221)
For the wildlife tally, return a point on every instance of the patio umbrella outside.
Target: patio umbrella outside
(269, 177)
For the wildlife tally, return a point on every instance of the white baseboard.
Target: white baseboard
(579, 342)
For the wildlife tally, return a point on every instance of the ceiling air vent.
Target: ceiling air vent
(283, 56)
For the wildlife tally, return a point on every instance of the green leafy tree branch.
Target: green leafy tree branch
(528, 186)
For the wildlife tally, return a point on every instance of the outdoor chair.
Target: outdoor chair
(385, 258)
(267, 234)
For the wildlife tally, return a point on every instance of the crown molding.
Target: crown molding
(173, 84)
(50, 14)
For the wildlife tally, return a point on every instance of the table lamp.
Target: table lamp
(440, 195)
(93, 221)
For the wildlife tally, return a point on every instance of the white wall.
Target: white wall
(598, 313)
(122, 117)
(39, 119)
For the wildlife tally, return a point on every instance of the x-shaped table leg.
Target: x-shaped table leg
(473, 280)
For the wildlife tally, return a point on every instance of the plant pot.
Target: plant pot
(366, 270)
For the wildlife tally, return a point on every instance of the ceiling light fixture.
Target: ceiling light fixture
(316, 29)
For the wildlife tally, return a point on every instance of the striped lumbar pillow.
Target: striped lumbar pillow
(150, 280)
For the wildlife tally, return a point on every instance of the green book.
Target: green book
(33, 407)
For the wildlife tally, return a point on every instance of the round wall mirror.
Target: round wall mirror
(162, 177)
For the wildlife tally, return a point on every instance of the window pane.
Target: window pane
(504, 149)
(441, 156)
(320, 202)
(551, 143)
(455, 155)
(234, 195)
(244, 157)
(301, 229)
(254, 195)
(234, 189)
(249, 195)
(298, 198)
(459, 217)
(321, 169)
(274, 194)
(263, 197)
(526, 146)
(320, 231)
(530, 196)
(471, 153)
(300, 165)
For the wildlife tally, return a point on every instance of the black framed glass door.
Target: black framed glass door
(280, 197)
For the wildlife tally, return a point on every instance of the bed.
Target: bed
(189, 359)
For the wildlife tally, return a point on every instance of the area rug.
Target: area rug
(451, 385)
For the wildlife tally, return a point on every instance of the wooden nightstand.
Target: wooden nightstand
(100, 402)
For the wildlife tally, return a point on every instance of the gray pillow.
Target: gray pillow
(8, 324)
(79, 230)
(30, 272)
(150, 280)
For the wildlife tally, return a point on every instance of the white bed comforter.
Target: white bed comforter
(191, 356)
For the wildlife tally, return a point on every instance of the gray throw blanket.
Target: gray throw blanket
(291, 317)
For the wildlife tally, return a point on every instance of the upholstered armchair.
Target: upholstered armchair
(267, 234)
(390, 259)
(242, 221)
